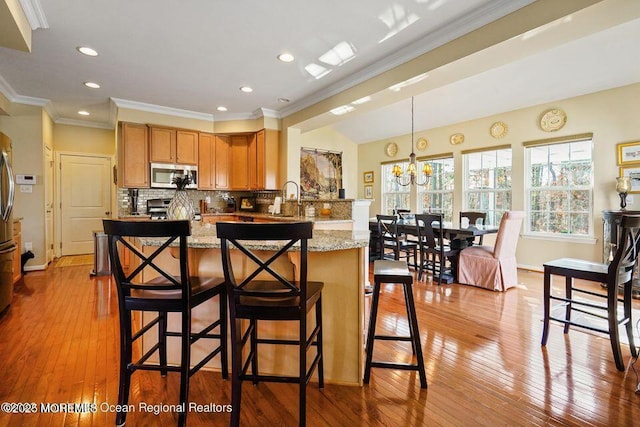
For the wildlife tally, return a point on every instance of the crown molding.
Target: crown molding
(35, 15)
(159, 109)
(266, 112)
(447, 32)
(73, 122)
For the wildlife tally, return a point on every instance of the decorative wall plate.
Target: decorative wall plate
(498, 129)
(391, 149)
(553, 120)
(422, 144)
(457, 138)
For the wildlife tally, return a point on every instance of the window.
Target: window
(487, 180)
(394, 195)
(437, 195)
(559, 188)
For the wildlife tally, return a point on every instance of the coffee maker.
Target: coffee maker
(133, 195)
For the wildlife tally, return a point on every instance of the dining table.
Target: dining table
(459, 235)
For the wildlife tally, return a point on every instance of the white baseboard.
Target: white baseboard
(35, 267)
(537, 268)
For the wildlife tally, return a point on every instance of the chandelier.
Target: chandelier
(410, 177)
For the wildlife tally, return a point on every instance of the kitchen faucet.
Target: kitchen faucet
(284, 193)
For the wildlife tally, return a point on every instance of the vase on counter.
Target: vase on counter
(181, 206)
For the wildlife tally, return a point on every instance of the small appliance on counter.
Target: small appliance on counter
(157, 209)
(133, 195)
(231, 205)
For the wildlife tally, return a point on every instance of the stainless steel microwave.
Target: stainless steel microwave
(162, 174)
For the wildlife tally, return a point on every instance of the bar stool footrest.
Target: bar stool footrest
(392, 338)
(391, 365)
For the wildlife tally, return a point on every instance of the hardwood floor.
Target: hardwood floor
(485, 366)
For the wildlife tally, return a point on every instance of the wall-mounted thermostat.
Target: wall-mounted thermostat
(26, 179)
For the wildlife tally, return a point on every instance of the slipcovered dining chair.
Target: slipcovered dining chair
(494, 267)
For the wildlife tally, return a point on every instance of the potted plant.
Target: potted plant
(181, 205)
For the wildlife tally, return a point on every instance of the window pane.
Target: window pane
(560, 189)
(488, 183)
(437, 195)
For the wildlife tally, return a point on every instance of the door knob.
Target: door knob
(107, 213)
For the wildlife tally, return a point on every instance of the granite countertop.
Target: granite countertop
(203, 235)
(282, 218)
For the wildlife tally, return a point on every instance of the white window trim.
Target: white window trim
(574, 238)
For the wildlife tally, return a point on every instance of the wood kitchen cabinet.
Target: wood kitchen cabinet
(221, 161)
(169, 145)
(133, 155)
(239, 162)
(206, 161)
(17, 258)
(264, 160)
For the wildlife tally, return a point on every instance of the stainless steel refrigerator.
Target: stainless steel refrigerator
(7, 245)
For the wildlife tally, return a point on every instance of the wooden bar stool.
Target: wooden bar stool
(394, 272)
(617, 276)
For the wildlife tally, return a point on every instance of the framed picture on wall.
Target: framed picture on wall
(368, 176)
(368, 191)
(634, 173)
(628, 153)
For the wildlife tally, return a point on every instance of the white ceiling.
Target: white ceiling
(190, 58)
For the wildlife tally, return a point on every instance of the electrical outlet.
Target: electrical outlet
(28, 246)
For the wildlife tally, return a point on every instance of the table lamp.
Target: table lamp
(623, 186)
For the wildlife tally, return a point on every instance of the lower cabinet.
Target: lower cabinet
(17, 258)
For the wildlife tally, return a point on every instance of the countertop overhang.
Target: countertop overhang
(203, 236)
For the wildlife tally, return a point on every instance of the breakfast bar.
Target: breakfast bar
(339, 258)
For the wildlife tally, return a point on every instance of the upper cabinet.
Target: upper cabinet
(239, 162)
(173, 146)
(186, 147)
(221, 161)
(133, 156)
(267, 159)
(206, 161)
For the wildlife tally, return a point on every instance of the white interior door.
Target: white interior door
(48, 204)
(85, 200)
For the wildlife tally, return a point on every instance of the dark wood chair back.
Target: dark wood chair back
(621, 267)
(240, 235)
(474, 218)
(176, 286)
(388, 233)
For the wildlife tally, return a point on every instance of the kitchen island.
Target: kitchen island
(336, 258)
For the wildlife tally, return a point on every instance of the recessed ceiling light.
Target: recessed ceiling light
(84, 113)
(92, 85)
(221, 108)
(284, 100)
(286, 57)
(87, 51)
(246, 89)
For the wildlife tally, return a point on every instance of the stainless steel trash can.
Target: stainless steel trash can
(101, 264)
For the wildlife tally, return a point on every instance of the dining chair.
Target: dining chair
(277, 297)
(149, 286)
(617, 276)
(390, 238)
(494, 267)
(475, 218)
(434, 252)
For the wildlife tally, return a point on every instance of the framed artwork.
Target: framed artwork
(634, 173)
(628, 153)
(320, 173)
(368, 176)
(368, 191)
